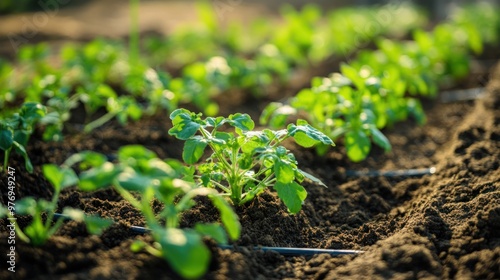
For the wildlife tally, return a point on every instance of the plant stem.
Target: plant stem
(206, 135)
(235, 182)
(153, 251)
(128, 196)
(6, 159)
(100, 121)
(236, 191)
(50, 215)
(258, 188)
(221, 186)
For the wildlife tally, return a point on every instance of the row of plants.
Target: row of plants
(100, 70)
(229, 171)
(100, 78)
(237, 162)
(382, 86)
(306, 35)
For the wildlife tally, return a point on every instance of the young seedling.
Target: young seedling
(123, 108)
(139, 171)
(16, 130)
(349, 105)
(39, 231)
(245, 163)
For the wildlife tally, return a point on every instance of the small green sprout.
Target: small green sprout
(245, 163)
(39, 231)
(16, 130)
(139, 177)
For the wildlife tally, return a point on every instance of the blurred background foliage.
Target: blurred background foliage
(437, 9)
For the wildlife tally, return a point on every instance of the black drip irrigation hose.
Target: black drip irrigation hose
(285, 251)
(462, 95)
(392, 173)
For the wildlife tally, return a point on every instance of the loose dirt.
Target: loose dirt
(440, 226)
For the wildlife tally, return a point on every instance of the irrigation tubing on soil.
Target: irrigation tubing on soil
(392, 173)
(285, 251)
(462, 95)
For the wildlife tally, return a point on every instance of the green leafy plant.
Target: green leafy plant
(347, 106)
(123, 108)
(39, 231)
(139, 176)
(351, 28)
(245, 163)
(16, 130)
(374, 91)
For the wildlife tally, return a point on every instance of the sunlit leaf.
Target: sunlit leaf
(292, 195)
(193, 149)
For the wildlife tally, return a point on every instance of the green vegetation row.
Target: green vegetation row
(225, 159)
(381, 87)
(227, 172)
(212, 59)
(102, 78)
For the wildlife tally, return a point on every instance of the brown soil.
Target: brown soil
(441, 226)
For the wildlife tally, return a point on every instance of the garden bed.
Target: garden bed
(441, 224)
(438, 226)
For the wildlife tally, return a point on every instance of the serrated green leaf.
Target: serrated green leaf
(292, 195)
(284, 172)
(245, 161)
(304, 140)
(193, 149)
(252, 140)
(215, 122)
(308, 136)
(183, 124)
(241, 121)
(357, 144)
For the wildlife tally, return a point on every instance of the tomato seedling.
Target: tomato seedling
(39, 231)
(140, 171)
(245, 163)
